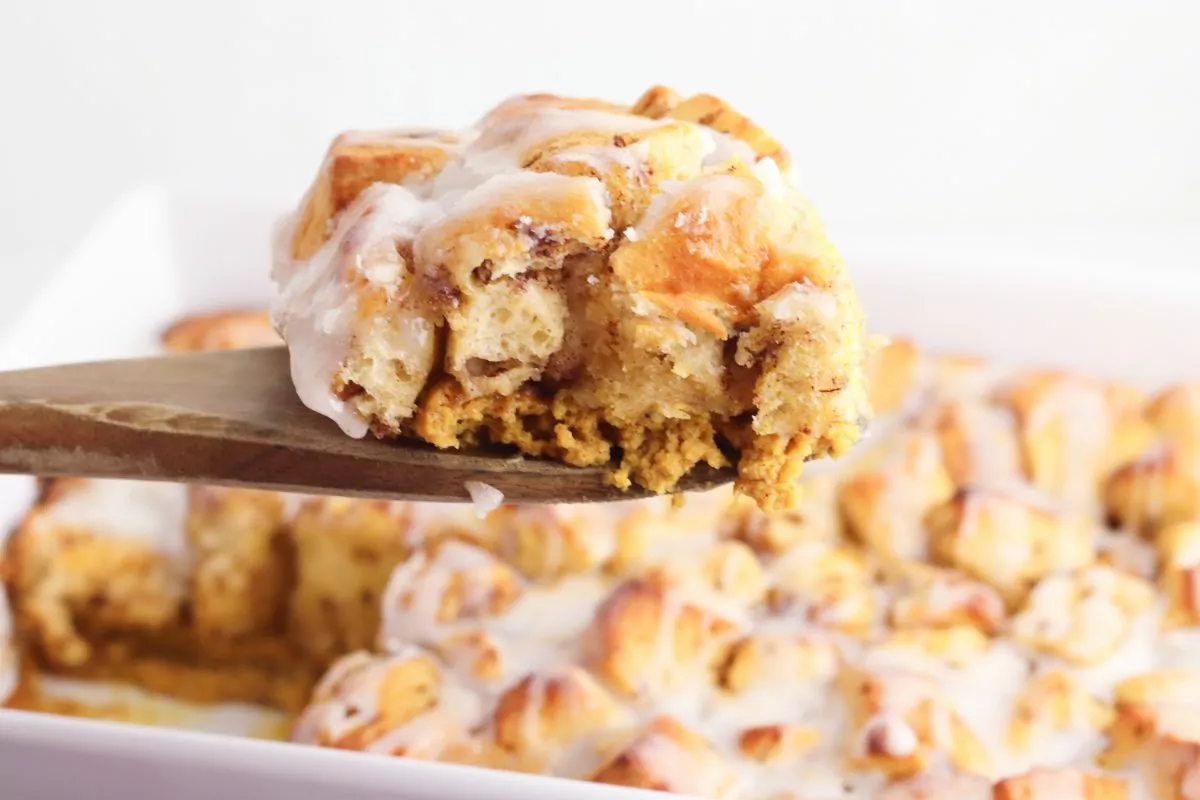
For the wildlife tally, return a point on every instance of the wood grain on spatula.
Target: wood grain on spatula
(232, 418)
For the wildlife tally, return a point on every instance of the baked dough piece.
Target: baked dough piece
(572, 277)
(979, 442)
(939, 786)
(1170, 768)
(1179, 574)
(1175, 412)
(667, 756)
(10, 658)
(402, 704)
(446, 582)
(1156, 731)
(353, 163)
(1054, 702)
(761, 661)
(727, 575)
(901, 722)
(1157, 489)
(646, 639)
(1082, 616)
(779, 742)
(130, 580)
(774, 534)
(1060, 784)
(885, 502)
(344, 551)
(891, 372)
(239, 551)
(1152, 707)
(826, 584)
(957, 376)
(547, 542)
(547, 712)
(829, 585)
(955, 646)
(222, 330)
(933, 598)
(1007, 539)
(1074, 431)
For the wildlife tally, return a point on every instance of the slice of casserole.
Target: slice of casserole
(587, 282)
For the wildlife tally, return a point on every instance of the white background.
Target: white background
(1081, 118)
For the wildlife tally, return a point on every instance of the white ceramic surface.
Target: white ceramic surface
(158, 255)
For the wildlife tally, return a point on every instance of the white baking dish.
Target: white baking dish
(157, 256)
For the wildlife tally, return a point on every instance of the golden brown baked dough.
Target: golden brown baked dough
(344, 553)
(773, 743)
(1157, 489)
(939, 786)
(1069, 784)
(1179, 576)
(1007, 540)
(890, 373)
(666, 756)
(544, 714)
(222, 330)
(884, 503)
(760, 660)
(1055, 702)
(979, 442)
(1082, 616)
(942, 598)
(585, 282)
(645, 640)
(901, 721)
(395, 705)
(1074, 431)
(1175, 412)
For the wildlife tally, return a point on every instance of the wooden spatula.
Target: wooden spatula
(232, 418)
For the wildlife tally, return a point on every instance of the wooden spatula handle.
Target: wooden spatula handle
(232, 418)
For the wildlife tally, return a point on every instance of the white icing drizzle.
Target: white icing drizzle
(485, 498)
(316, 306)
